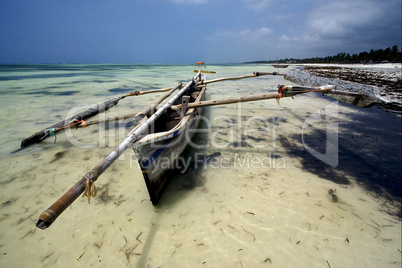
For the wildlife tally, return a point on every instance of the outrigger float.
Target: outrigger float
(160, 133)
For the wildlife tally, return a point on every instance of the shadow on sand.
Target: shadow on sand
(369, 154)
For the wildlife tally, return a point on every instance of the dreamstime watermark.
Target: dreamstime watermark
(328, 116)
(226, 131)
(200, 161)
(223, 131)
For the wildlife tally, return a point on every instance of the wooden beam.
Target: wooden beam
(255, 74)
(271, 95)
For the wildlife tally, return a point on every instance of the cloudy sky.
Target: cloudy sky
(185, 31)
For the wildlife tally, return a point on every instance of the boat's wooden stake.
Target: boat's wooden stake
(184, 104)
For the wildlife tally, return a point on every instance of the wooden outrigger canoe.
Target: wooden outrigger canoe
(162, 137)
(280, 65)
(165, 140)
(205, 72)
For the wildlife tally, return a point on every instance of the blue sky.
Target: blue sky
(186, 31)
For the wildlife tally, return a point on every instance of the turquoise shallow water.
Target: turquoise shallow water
(304, 183)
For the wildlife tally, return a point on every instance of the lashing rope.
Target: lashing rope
(135, 93)
(77, 123)
(90, 189)
(283, 90)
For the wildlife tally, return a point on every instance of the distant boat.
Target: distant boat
(280, 65)
(202, 64)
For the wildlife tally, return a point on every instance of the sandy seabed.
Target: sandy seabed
(278, 194)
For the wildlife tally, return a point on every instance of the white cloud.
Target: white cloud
(341, 25)
(257, 5)
(342, 18)
(246, 35)
(256, 34)
(190, 1)
(299, 40)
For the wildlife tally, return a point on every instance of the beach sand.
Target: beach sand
(306, 182)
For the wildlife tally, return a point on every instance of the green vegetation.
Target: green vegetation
(374, 56)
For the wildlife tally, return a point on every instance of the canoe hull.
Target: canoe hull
(158, 152)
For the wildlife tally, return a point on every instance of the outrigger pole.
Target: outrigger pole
(255, 74)
(283, 91)
(85, 184)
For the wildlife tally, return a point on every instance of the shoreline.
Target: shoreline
(383, 66)
(381, 82)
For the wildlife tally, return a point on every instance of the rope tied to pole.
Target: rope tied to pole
(135, 93)
(53, 131)
(286, 91)
(90, 188)
(77, 123)
(281, 92)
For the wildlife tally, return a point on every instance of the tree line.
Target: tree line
(390, 54)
